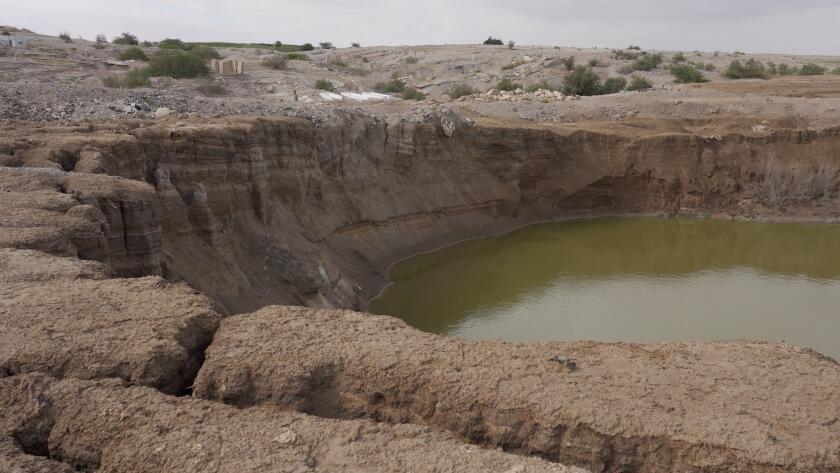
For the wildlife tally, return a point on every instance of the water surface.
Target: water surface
(630, 279)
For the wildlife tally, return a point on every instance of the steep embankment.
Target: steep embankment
(255, 211)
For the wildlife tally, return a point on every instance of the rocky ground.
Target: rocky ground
(137, 246)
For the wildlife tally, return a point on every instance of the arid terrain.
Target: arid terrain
(179, 270)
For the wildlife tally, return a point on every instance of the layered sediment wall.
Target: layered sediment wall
(255, 212)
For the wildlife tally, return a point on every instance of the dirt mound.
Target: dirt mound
(104, 426)
(735, 407)
(59, 315)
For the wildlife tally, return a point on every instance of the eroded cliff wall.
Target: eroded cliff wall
(260, 211)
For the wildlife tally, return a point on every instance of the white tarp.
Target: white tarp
(365, 96)
(330, 97)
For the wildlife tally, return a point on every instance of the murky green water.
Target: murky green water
(632, 280)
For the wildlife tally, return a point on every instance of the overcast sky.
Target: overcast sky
(790, 26)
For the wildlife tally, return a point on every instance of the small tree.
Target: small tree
(326, 45)
(685, 74)
(307, 47)
(811, 70)
(356, 45)
(613, 85)
(101, 39)
(491, 41)
(126, 38)
(639, 83)
(582, 81)
(511, 44)
(65, 36)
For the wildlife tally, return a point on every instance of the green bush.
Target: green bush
(507, 85)
(172, 43)
(205, 51)
(582, 81)
(836, 71)
(491, 41)
(679, 57)
(785, 70)
(647, 62)
(65, 36)
(639, 83)
(297, 57)
(323, 84)
(613, 85)
(771, 68)
(751, 69)
(393, 86)
(307, 47)
(811, 70)
(326, 45)
(276, 61)
(685, 74)
(130, 80)
(413, 94)
(461, 90)
(127, 39)
(177, 64)
(133, 53)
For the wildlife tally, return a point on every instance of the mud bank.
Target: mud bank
(330, 207)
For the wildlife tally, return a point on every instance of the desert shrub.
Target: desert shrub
(411, 60)
(785, 70)
(623, 55)
(278, 44)
(127, 39)
(639, 83)
(307, 47)
(172, 43)
(276, 61)
(393, 86)
(542, 85)
(297, 57)
(647, 62)
(613, 85)
(678, 57)
(634, 47)
(751, 69)
(782, 184)
(685, 74)
(133, 53)
(568, 62)
(65, 36)
(326, 45)
(595, 63)
(130, 80)
(582, 81)
(709, 67)
(507, 85)
(205, 51)
(101, 39)
(811, 70)
(337, 62)
(511, 44)
(491, 41)
(625, 70)
(355, 45)
(324, 84)
(177, 64)
(461, 90)
(514, 64)
(5, 33)
(836, 71)
(413, 94)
